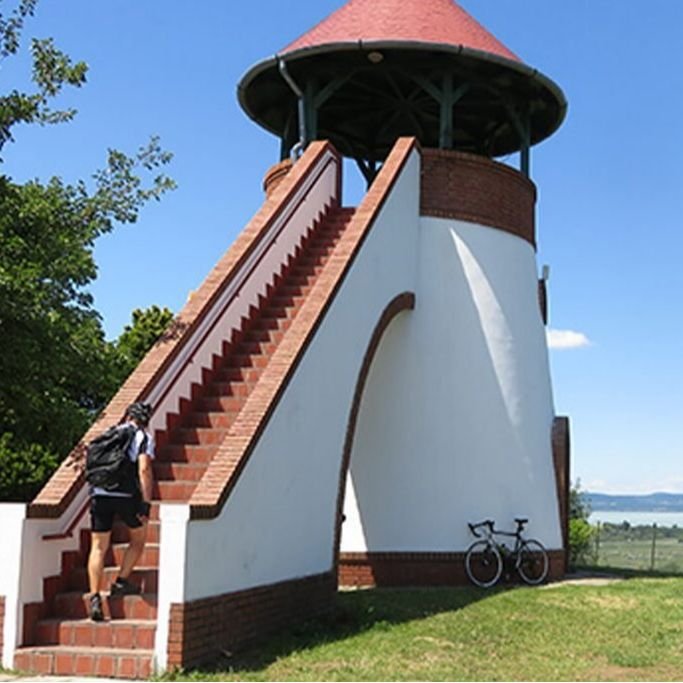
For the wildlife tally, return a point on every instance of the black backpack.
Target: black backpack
(107, 464)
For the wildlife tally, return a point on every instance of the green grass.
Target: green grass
(628, 630)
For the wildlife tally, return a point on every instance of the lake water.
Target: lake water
(637, 518)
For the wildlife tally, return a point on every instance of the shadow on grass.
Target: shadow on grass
(355, 612)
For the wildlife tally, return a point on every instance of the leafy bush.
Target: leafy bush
(581, 542)
(23, 468)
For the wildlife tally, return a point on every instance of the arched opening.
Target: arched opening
(402, 302)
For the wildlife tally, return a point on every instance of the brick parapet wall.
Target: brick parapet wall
(275, 175)
(417, 569)
(62, 487)
(475, 189)
(201, 630)
(232, 456)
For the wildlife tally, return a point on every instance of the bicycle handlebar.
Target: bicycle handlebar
(473, 527)
(521, 522)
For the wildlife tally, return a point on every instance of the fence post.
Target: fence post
(654, 546)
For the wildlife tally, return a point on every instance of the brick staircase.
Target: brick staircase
(58, 636)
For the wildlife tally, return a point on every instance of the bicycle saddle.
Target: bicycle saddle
(521, 521)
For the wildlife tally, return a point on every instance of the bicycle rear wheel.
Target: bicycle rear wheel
(483, 564)
(532, 563)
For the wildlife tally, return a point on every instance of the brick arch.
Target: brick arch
(403, 302)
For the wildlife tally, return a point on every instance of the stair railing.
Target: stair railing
(317, 193)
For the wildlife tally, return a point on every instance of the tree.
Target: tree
(581, 533)
(56, 369)
(139, 337)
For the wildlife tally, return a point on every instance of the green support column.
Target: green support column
(522, 123)
(525, 151)
(446, 119)
(310, 112)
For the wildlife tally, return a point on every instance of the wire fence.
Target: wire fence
(641, 548)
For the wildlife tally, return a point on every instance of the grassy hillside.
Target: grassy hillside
(627, 630)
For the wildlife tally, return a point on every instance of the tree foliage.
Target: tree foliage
(581, 533)
(56, 368)
(137, 338)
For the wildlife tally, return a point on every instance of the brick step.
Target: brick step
(270, 322)
(234, 374)
(173, 491)
(147, 578)
(306, 264)
(68, 661)
(199, 436)
(149, 557)
(272, 336)
(289, 302)
(304, 275)
(75, 605)
(222, 387)
(319, 250)
(327, 241)
(215, 420)
(258, 347)
(294, 290)
(178, 471)
(130, 634)
(119, 533)
(248, 360)
(191, 453)
(302, 280)
(279, 312)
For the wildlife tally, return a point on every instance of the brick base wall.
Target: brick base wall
(201, 630)
(417, 569)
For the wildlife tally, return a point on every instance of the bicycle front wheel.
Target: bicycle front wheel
(483, 564)
(532, 563)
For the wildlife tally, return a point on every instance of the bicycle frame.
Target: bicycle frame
(490, 533)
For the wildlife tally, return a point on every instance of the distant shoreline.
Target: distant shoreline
(634, 518)
(650, 503)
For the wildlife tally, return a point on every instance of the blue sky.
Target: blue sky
(610, 183)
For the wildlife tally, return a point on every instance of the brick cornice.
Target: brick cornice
(65, 483)
(478, 190)
(232, 456)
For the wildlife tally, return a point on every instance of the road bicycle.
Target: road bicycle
(487, 558)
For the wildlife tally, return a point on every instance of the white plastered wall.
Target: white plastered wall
(12, 518)
(279, 520)
(466, 434)
(28, 557)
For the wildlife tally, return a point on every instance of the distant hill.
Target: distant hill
(653, 502)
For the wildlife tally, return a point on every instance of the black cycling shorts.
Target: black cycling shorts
(103, 509)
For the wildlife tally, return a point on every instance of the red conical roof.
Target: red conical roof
(424, 21)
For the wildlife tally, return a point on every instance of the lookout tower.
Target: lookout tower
(457, 418)
(350, 386)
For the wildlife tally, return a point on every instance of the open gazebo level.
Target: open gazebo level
(445, 81)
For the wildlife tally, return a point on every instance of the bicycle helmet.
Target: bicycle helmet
(140, 412)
